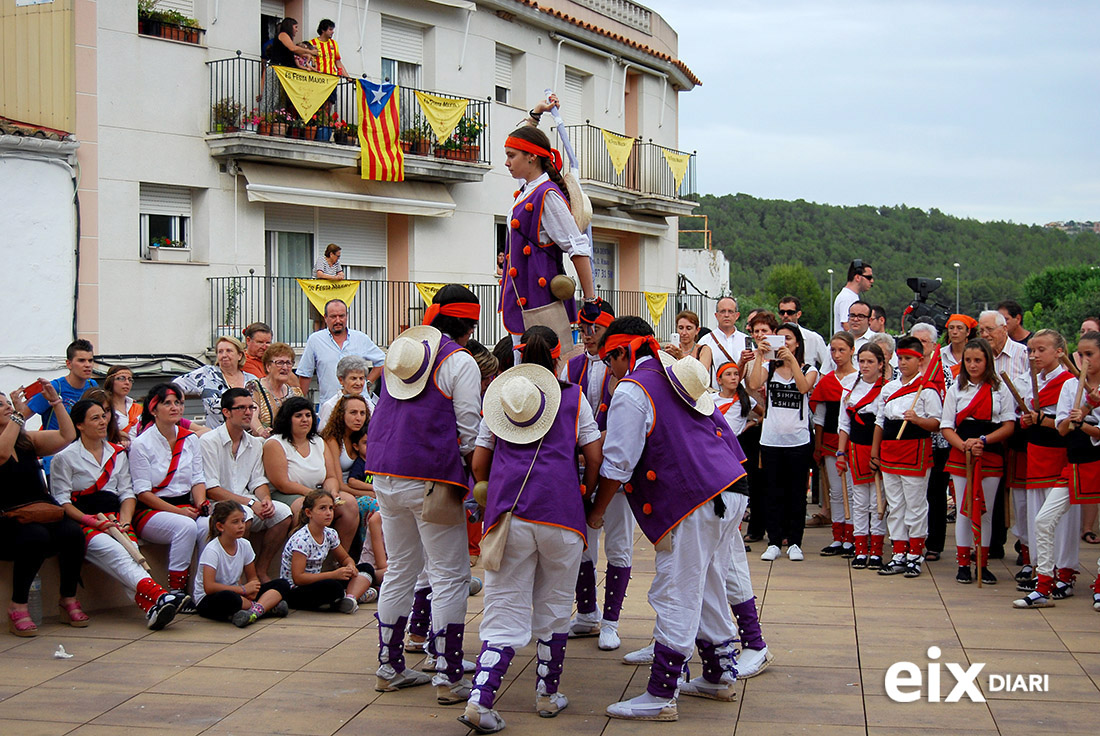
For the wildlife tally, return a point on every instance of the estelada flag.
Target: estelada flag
(379, 128)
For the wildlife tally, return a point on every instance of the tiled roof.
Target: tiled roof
(27, 130)
(615, 37)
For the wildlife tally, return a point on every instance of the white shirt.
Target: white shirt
(783, 427)
(556, 224)
(460, 378)
(150, 456)
(596, 371)
(841, 304)
(307, 471)
(733, 344)
(241, 474)
(322, 354)
(853, 397)
(1013, 360)
(816, 352)
(846, 383)
(228, 568)
(733, 414)
(325, 411)
(587, 431)
(1065, 406)
(629, 419)
(75, 468)
(928, 403)
(1004, 406)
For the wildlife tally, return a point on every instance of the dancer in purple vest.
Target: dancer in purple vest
(542, 233)
(688, 504)
(526, 446)
(421, 435)
(589, 372)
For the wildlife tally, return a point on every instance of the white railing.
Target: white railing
(624, 11)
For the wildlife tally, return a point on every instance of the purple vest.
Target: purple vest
(577, 372)
(551, 495)
(535, 264)
(688, 458)
(418, 437)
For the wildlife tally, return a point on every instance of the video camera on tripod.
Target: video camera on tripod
(919, 309)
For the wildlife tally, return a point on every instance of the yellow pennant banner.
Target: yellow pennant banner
(443, 113)
(656, 304)
(618, 148)
(320, 291)
(678, 164)
(427, 291)
(307, 90)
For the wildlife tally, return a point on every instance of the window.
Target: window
(502, 231)
(402, 47)
(165, 217)
(504, 61)
(572, 100)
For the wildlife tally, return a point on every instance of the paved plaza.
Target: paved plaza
(833, 631)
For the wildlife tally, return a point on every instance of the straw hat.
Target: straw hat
(521, 403)
(579, 203)
(409, 361)
(691, 381)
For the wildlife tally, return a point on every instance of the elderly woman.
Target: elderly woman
(351, 372)
(210, 381)
(294, 463)
(687, 327)
(887, 344)
(118, 384)
(28, 544)
(961, 328)
(273, 389)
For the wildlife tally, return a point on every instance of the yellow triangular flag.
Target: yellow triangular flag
(678, 164)
(321, 291)
(427, 291)
(307, 90)
(618, 148)
(443, 113)
(656, 303)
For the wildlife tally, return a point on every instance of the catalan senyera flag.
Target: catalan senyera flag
(379, 128)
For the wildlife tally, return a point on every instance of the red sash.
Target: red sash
(980, 407)
(177, 451)
(869, 397)
(1048, 394)
(103, 477)
(911, 388)
(133, 417)
(727, 407)
(828, 389)
(90, 532)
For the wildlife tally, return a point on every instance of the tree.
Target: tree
(794, 279)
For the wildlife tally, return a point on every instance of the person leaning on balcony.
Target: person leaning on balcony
(257, 339)
(210, 381)
(273, 389)
(327, 268)
(280, 51)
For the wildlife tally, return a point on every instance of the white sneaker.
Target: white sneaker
(482, 719)
(1096, 601)
(643, 656)
(794, 552)
(726, 690)
(549, 705)
(751, 662)
(771, 553)
(609, 635)
(644, 707)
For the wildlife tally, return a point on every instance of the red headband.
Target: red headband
(632, 343)
(725, 366)
(462, 310)
(555, 353)
(603, 320)
(911, 353)
(521, 145)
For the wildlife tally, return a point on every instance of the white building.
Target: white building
(254, 210)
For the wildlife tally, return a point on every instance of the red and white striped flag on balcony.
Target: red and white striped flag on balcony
(379, 129)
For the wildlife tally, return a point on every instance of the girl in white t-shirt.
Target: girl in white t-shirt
(305, 553)
(735, 403)
(225, 560)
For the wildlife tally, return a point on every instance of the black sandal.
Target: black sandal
(1090, 537)
(931, 556)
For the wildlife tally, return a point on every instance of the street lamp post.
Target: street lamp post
(830, 272)
(957, 289)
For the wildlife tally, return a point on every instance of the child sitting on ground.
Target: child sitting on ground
(305, 553)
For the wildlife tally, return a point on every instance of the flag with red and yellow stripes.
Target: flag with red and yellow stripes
(379, 128)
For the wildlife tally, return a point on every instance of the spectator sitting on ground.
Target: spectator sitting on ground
(351, 372)
(210, 381)
(278, 385)
(324, 349)
(257, 339)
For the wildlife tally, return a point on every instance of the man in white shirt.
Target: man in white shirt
(727, 344)
(816, 352)
(860, 279)
(233, 463)
(324, 349)
(859, 321)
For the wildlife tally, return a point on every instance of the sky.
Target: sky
(986, 110)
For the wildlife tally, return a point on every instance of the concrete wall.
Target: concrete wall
(709, 270)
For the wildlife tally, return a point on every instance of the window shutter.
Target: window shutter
(160, 199)
(276, 8)
(360, 235)
(504, 68)
(402, 41)
(187, 7)
(573, 98)
(288, 218)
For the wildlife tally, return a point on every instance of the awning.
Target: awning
(345, 191)
(626, 222)
(460, 4)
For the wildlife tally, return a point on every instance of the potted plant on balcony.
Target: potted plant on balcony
(258, 121)
(339, 131)
(232, 302)
(279, 120)
(353, 134)
(294, 126)
(414, 140)
(309, 128)
(170, 24)
(325, 123)
(167, 250)
(468, 134)
(227, 115)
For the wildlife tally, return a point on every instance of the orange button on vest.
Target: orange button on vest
(542, 282)
(647, 509)
(628, 488)
(529, 207)
(515, 224)
(526, 250)
(521, 301)
(512, 272)
(650, 475)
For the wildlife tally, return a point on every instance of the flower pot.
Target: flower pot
(340, 137)
(219, 128)
(169, 255)
(309, 132)
(324, 133)
(470, 153)
(278, 129)
(263, 128)
(294, 132)
(406, 147)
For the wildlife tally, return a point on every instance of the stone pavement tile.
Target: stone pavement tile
(1023, 632)
(818, 681)
(25, 672)
(280, 635)
(884, 635)
(120, 676)
(589, 648)
(399, 720)
(1082, 641)
(218, 681)
(806, 598)
(590, 687)
(184, 716)
(83, 649)
(277, 658)
(1090, 663)
(874, 680)
(363, 618)
(34, 728)
(806, 653)
(1072, 616)
(882, 656)
(686, 725)
(930, 617)
(305, 703)
(885, 713)
(151, 651)
(802, 726)
(194, 628)
(902, 731)
(89, 729)
(791, 635)
(69, 705)
(778, 613)
(350, 659)
(844, 709)
(1041, 716)
(115, 623)
(6, 691)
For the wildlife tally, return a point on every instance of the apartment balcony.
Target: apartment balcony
(252, 120)
(645, 186)
(383, 309)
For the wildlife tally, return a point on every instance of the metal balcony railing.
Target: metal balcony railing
(656, 172)
(646, 172)
(383, 309)
(246, 96)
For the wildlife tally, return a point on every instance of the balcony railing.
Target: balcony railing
(383, 309)
(646, 172)
(245, 95)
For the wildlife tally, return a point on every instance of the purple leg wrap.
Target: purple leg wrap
(551, 658)
(664, 672)
(420, 622)
(717, 659)
(615, 591)
(586, 588)
(391, 643)
(447, 648)
(748, 625)
(492, 665)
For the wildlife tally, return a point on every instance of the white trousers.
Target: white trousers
(738, 579)
(532, 592)
(1020, 522)
(865, 510)
(618, 534)
(412, 545)
(907, 501)
(112, 558)
(179, 532)
(689, 586)
(964, 532)
(837, 489)
(1054, 536)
